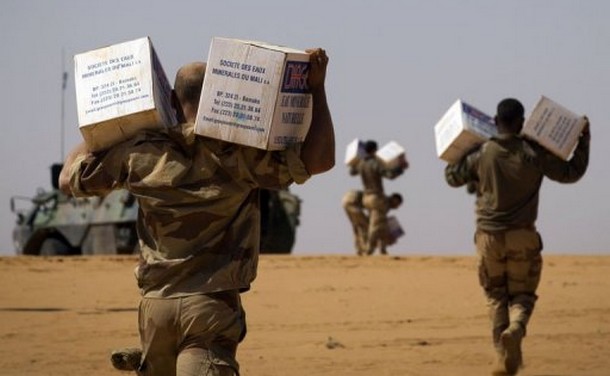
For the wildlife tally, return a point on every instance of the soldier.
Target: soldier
(371, 171)
(354, 208)
(198, 223)
(506, 173)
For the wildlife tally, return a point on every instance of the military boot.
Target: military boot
(127, 359)
(511, 342)
(498, 315)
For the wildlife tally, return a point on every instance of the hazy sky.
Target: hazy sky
(395, 68)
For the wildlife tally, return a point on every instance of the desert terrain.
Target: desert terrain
(314, 315)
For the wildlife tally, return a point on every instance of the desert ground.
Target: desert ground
(314, 315)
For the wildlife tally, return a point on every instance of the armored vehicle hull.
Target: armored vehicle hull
(55, 224)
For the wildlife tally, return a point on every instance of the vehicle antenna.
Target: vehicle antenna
(64, 82)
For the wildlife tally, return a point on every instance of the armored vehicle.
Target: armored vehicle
(56, 224)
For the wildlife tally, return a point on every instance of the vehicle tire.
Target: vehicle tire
(54, 247)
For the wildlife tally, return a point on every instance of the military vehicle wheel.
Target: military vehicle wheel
(54, 247)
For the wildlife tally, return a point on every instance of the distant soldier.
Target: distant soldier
(354, 208)
(372, 171)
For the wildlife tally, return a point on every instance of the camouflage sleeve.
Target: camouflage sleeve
(97, 174)
(74, 169)
(392, 173)
(295, 166)
(353, 170)
(151, 158)
(462, 172)
(274, 169)
(562, 171)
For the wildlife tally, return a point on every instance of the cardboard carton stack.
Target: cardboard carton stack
(461, 128)
(120, 90)
(255, 94)
(554, 127)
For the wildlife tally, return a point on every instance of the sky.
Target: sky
(395, 68)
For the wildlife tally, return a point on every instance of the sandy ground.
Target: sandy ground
(388, 315)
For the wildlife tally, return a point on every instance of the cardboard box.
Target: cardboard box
(392, 155)
(395, 230)
(255, 94)
(462, 128)
(554, 127)
(354, 152)
(121, 89)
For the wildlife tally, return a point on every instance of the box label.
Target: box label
(238, 83)
(559, 131)
(460, 129)
(113, 82)
(120, 90)
(554, 127)
(479, 121)
(295, 77)
(255, 94)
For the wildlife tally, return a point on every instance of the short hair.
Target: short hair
(396, 197)
(189, 82)
(509, 110)
(370, 146)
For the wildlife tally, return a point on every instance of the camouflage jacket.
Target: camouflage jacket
(372, 171)
(507, 172)
(199, 218)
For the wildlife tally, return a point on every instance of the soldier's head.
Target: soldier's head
(395, 200)
(187, 90)
(370, 147)
(510, 116)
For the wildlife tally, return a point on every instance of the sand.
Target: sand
(318, 315)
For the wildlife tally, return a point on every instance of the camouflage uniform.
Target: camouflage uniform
(199, 225)
(372, 171)
(352, 203)
(508, 171)
(354, 208)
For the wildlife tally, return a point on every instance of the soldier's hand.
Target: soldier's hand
(317, 71)
(404, 164)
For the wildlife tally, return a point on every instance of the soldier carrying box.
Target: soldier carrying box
(372, 168)
(507, 172)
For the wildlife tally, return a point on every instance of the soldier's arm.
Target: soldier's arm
(80, 150)
(318, 150)
(568, 171)
(464, 171)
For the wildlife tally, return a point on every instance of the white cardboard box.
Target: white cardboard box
(554, 127)
(392, 155)
(354, 152)
(121, 89)
(460, 129)
(395, 230)
(255, 94)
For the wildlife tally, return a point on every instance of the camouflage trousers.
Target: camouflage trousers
(359, 220)
(509, 264)
(377, 207)
(191, 336)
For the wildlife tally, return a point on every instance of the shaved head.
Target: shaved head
(187, 89)
(189, 80)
